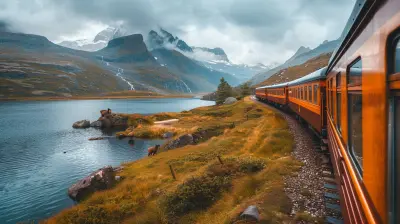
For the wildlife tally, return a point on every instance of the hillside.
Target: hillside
(298, 71)
(301, 56)
(32, 66)
(256, 157)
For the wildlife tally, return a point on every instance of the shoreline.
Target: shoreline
(14, 99)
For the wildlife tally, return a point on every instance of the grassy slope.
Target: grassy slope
(298, 71)
(141, 196)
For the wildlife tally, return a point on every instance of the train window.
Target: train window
(331, 98)
(338, 102)
(315, 94)
(309, 93)
(354, 77)
(397, 58)
(355, 113)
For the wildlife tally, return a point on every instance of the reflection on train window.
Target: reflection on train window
(315, 94)
(339, 108)
(309, 94)
(397, 58)
(355, 127)
(338, 102)
(331, 98)
(355, 72)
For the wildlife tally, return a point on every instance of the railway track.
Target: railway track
(313, 190)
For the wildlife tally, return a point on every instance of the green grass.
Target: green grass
(255, 153)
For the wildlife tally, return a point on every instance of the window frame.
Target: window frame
(339, 104)
(353, 89)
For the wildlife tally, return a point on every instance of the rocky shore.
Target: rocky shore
(107, 120)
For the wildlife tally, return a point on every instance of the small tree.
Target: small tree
(245, 89)
(224, 91)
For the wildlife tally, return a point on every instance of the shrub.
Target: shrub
(196, 194)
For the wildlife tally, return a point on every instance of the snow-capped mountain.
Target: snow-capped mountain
(99, 42)
(214, 59)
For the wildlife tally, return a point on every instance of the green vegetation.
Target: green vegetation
(215, 180)
(224, 91)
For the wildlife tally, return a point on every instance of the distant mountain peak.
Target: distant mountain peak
(164, 38)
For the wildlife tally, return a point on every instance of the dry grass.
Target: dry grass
(255, 155)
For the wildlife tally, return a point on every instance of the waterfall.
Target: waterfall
(119, 73)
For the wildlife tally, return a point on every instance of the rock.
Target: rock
(109, 120)
(101, 179)
(118, 178)
(96, 138)
(183, 140)
(230, 100)
(81, 124)
(168, 135)
(96, 124)
(251, 213)
(118, 168)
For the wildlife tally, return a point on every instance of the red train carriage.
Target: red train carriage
(306, 98)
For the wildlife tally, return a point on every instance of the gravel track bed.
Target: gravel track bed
(306, 189)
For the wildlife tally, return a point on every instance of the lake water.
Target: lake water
(35, 173)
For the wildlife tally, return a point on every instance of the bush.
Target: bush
(196, 194)
(136, 119)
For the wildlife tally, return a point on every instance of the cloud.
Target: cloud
(250, 31)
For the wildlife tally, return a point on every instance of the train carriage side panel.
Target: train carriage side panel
(358, 114)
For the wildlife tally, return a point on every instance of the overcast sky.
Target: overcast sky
(250, 31)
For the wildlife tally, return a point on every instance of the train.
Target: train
(353, 104)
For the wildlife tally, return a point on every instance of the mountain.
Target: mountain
(99, 42)
(31, 65)
(301, 56)
(215, 59)
(297, 71)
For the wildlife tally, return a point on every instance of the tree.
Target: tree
(245, 89)
(224, 91)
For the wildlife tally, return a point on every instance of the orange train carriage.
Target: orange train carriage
(361, 113)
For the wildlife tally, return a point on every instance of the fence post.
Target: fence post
(220, 160)
(172, 172)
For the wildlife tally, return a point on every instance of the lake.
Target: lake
(35, 173)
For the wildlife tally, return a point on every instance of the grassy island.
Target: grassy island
(243, 163)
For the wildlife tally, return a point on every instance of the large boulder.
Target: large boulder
(96, 124)
(109, 120)
(230, 100)
(81, 124)
(251, 213)
(101, 179)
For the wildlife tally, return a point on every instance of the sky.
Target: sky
(249, 31)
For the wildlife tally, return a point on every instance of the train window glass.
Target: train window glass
(315, 94)
(309, 93)
(338, 112)
(338, 102)
(355, 127)
(397, 58)
(331, 98)
(355, 113)
(355, 72)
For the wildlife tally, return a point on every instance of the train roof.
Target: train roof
(360, 10)
(317, 75)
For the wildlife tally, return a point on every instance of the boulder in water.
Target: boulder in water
(81, 124)
(230, 100)
(101, 179)
(96, 124)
